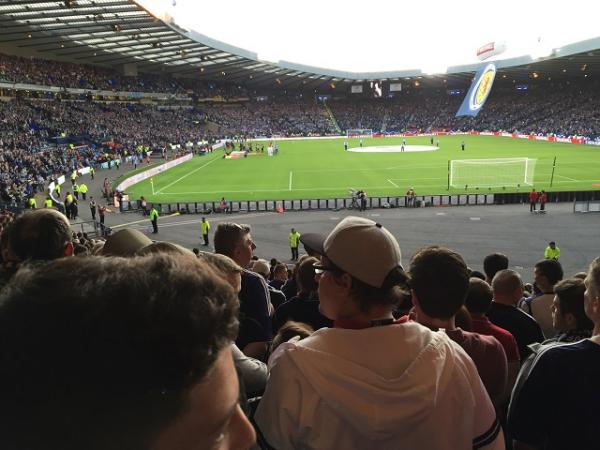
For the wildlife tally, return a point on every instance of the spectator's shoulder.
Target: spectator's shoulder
(252, 277)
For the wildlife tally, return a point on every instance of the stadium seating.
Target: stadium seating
(29, 127)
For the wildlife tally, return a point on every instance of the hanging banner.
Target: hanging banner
(479, 92)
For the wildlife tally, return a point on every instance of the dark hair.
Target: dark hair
(551, 269)
(393, 291)
(494, 263)
(476, 274)
(305, 277)
(479, 296)
(440, 280)
(290, 329)
(570, 296)
(80, 250)
(462, 319)
(40, 235)
(106, 359)
(280, 267)
(227, 237)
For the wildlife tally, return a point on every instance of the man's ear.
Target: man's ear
(69, 249)
(415, 300)
(344, 282)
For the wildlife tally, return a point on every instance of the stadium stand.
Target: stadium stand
(34, 128)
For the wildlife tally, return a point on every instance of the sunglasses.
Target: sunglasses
(319, 269)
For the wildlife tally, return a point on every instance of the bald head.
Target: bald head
(507, 287)
(41, 234)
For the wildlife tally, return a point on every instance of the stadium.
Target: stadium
(133, 118)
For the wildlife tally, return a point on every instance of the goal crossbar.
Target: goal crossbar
(491, 172)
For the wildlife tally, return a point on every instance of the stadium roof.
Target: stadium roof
(118, 32)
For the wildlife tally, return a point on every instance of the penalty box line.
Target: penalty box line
(187, 175)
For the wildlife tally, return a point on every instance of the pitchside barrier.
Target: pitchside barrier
(585, 206)
(336, 204)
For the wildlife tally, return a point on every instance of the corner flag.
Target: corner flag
(479, 91)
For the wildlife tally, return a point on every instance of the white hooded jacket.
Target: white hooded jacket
(389, 387)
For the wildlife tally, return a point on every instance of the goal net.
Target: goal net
(495, 172)
(359, 132)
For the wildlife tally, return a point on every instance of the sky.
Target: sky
(385, 35)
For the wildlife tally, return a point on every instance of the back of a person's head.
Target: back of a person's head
(80, 250)
(493, 263)
(164, 247)
(280, 270)
(440, 280)
(227, 237)
(551, 269)
(570, 293)
(289, 330)
(221, 262)
(261, 266)
(463, 319)
(109, 356)
(306, 276)
(39, 235)
(479, 296)
(506, 282)
(593, 278)
(476, 274)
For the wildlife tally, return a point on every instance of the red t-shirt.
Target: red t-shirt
(533, 197)
(489, 358)
(482, 325)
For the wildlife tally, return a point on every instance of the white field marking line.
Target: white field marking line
(475, 218)
(371, 169)
(290, 183)
(251, 191)
(186, 175)
(430, 178)
(394, 184)
(568, 178)
(596, 180)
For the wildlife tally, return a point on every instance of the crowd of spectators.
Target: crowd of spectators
(561, 109)
(35, 137)
(31, 131)
(277, 117)
(351, 325)
(16, 69)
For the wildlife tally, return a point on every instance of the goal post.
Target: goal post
(493, 172)
(359, 132)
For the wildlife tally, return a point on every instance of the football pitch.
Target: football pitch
(321, 168)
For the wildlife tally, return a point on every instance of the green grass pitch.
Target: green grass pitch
(322, 169)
